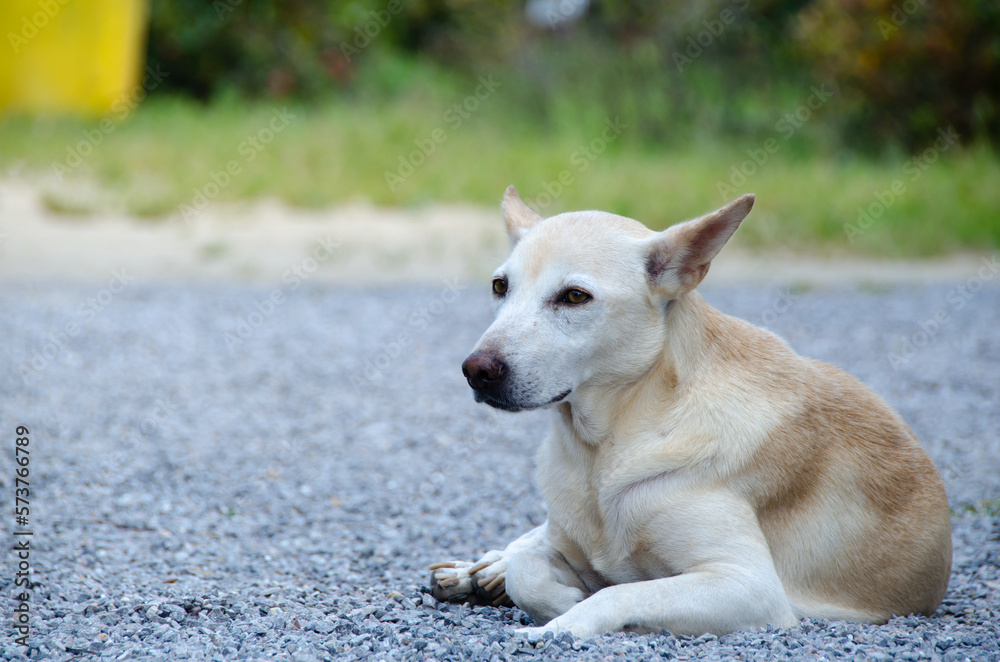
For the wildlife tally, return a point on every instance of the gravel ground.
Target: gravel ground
(206, 491)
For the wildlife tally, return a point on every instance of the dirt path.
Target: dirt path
(268, 241)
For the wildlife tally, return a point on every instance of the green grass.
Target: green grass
(166, 151)
(982, 507)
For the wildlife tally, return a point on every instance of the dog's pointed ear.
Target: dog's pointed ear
(679, 257)
(519, 217)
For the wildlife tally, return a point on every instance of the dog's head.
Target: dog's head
(582, 299)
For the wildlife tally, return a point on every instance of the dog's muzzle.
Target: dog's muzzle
(489, 377)
(485, 372)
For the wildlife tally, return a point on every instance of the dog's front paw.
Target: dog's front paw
(578, 630)
(451, 581)
(580, 621)
(480, 583)
(533, 635)
(489, 577)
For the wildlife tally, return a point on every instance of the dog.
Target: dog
(700, 476)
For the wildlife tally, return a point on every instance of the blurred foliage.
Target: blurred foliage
(174, 150)
(910, 66)
(902, 68)
(258, 48)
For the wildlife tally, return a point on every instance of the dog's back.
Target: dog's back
(853, 509)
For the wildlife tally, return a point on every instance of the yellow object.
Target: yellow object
(80, 56)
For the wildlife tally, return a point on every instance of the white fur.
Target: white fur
(678, 434)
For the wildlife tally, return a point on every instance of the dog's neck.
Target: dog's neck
(596, 410)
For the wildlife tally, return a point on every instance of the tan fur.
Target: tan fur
(700, 476)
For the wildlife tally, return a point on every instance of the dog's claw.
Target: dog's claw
(480, 583)
(492, 584)
(450, 582)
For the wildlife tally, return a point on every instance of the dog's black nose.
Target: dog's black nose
(485, 372)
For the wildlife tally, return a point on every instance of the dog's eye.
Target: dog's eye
(500, 286)
(576, 297)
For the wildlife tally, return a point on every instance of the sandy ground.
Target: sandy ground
(266, 242)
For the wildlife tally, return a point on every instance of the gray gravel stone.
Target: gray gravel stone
(280, 495)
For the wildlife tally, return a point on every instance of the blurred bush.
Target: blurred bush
(675, 69)
(302, 48)
(273, 48)
(909, 67)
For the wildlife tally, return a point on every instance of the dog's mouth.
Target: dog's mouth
(495, 402)
(500, 402)
(560, 397)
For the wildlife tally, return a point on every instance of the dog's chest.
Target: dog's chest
(591, 537)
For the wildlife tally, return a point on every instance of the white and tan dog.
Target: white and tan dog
(699, 476)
